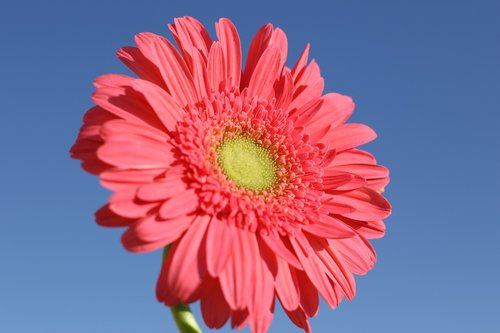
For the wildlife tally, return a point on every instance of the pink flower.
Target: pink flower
(252, 175)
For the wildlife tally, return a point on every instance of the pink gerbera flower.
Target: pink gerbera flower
(252, 176)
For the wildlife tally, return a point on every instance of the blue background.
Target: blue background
(424, 74)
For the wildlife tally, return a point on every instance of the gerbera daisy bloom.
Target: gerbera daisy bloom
(252, 176)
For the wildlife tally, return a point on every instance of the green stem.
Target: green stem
(184, 318)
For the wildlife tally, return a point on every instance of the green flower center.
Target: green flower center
(247, 163)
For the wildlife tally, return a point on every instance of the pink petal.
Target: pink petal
(367, 171)
(115, 94)
(367, 203)
(119, 127)
(107, 218)
(308, 88)
(329, 157)
(354, 156)
(183, 269)
(162, 189)
(93, 165)
(152, 229)
(306, 96)
(86, 145)
(377, 176)
(306, 114)
(182, 204)
(261, 305)
(315, 273)
(165, 106)
(194, 50)
(190, 36)
(97, 116)
(329, 227)
(279, 40)
(349, 136)
(334, 207)
(284, 90)
(239, 318)
(268, 256)
(118, 179)
(216, 68)
(257, 47)
(200, 75)
(259, 323)
(341, 181)
(357, 254)
(231, 47)
(334, 110)
(219, 244)
(196, 28)
(266, 73)
(89, 140)
(167, 297)
(140, 65)
(124, 203)
(276, 244)
(300, 66)
(172, 67)
(183, 40)
(133, 244)
(135, 152)
(264, 38)
(310, 76)
(238, 277)
(287, 287)
(112, 81)
(309, 299)
(214, 307)
(304, 244)
(299, 318)
(378, 184)
(333, 266)
(367, 229)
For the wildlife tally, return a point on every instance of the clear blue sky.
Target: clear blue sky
(424, 74)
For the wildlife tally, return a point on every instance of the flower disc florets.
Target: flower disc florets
(247, 163)
(280, 192)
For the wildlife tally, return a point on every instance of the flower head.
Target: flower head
(252, 176)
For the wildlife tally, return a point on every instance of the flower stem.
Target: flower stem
(184, 318)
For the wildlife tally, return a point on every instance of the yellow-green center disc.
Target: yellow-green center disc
(247, 163)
